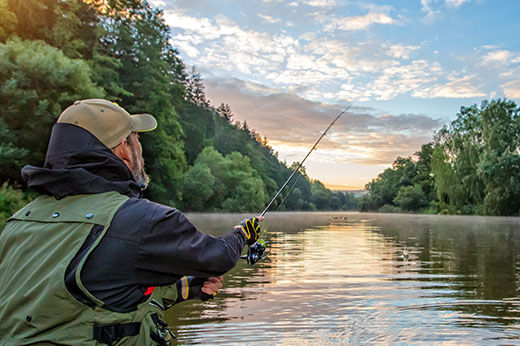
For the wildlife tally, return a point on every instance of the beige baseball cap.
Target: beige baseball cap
(106, 120)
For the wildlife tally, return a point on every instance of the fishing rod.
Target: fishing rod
(255, 251)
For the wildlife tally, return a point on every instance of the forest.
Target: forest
(201, 158)
(53, 52)
(472, 167)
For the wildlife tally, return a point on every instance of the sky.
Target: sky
(405, 67)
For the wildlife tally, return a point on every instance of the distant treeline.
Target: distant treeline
(53, 52)
(472, 166)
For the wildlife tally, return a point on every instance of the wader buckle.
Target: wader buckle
(110, 333)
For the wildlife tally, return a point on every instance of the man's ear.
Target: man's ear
(123, 151)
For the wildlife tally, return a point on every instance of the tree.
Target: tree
(225, 112)
(8, 21)
(38, 81)
(195, 90)
(410, 198)
(294, 201)
(321, 196)
(447, 184)
(344, 200)
(476, 160)
(197, 187)
(121, 50)
(150, 78)
(384, 188)
(499, 166)
(234, 185)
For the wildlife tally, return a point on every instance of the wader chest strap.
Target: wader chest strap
(110, 333)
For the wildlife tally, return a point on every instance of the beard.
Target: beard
(140, 176)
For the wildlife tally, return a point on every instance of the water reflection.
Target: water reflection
(344, 277)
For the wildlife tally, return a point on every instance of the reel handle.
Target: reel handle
(254, 252)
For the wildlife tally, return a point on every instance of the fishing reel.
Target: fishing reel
(255, 252)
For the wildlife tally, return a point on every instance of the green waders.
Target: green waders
(36, 247)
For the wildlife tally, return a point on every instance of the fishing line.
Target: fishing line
(301, 163)
(255, 251)
(265, 229)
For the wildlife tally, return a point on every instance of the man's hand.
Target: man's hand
(191, 287)
(250, 229)
(212, 285)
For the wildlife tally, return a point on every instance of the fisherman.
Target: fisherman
(90, 261)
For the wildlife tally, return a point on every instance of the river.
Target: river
(341, 277)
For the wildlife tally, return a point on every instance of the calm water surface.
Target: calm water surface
(345, 278)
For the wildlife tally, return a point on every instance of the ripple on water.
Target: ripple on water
(347, 282)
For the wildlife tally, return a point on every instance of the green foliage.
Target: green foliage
(34, 18)
(54, 52)
(472, 167)
(198, 186)
(69, 25)
(447, 184)
(198, 127)
(38, 82)
(224, 183)
(11, 200)
(212, 127)
(407, 186)
(476, 160)
(146, 75)
(410, 198)
(347, 201)
(8, 21)
(389, 208)
(321, 196)
(499, 167)
(384, 188)
(294, 201)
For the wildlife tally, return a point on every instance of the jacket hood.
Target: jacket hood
(78, 163)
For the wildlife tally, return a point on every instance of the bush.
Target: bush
(410, 198)
(389, 208)
(11, 200)
(433, 208)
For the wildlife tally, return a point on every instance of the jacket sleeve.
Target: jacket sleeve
(172, 247)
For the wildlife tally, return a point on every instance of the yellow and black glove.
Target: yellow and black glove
(190, 287)
(250, 229)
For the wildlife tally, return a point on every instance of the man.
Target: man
(89, 261)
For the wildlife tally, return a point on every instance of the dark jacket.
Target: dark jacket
(147, 244)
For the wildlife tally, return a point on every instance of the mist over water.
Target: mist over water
(362, 278)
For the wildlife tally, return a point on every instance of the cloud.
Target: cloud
(401, 51)
(308, 64)
(455, 3)
(362, 135)
(376, 15)
(434, 8)
(503, 57)
(319, 3)
(158, 3)
(393, 81)
(331, 69)
(457, 87)
(257, 52)
(268, 19)
(431, 14)
(512, 89)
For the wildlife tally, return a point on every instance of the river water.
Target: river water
(365, 278)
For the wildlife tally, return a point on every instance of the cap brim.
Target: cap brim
(143, 122)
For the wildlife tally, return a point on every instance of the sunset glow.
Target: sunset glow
(288, 67)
